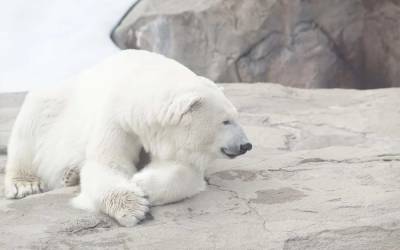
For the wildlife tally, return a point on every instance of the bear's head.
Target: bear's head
(205, 122)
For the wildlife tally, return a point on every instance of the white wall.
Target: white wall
(43, 42)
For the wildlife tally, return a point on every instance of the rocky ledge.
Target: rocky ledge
(311, 44)
(324, 174)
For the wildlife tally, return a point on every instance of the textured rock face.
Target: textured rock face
(324, 174)
(338, 43)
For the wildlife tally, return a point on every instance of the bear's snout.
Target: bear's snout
(239, 150)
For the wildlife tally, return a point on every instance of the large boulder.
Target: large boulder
(337, 43)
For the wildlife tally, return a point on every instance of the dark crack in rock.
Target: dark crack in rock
(274, 196)
(362, 238)
(243, 175)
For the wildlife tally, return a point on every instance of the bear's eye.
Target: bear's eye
(227, 122)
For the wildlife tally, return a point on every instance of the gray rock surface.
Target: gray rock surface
(336, 43)
(324, 174)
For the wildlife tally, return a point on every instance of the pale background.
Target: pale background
(43, 42)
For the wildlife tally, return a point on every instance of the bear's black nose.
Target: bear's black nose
(245, 147)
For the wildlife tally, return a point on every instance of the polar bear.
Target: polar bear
(94, 127)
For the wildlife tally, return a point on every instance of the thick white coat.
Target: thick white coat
(97, 123)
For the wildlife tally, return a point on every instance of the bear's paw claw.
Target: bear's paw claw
(126, 207)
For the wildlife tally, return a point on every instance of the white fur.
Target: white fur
(162, 182)
(99, 121)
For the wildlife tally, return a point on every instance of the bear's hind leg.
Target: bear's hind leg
(21, 184)
(21, 179)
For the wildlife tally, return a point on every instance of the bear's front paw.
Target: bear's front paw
(127, 207)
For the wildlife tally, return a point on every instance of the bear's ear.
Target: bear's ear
(179, 107)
